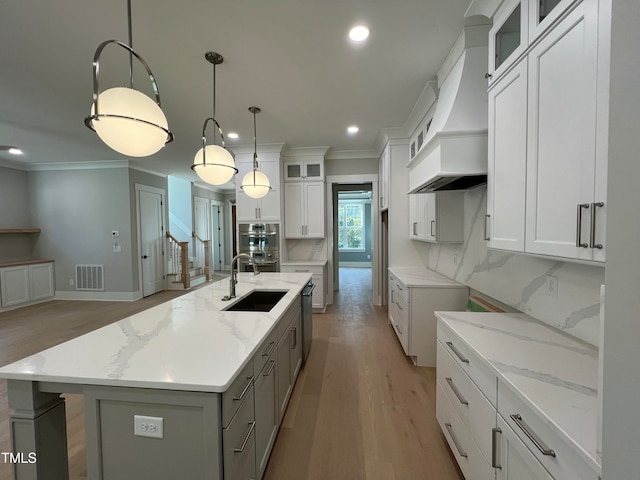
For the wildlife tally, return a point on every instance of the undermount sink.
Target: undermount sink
(257, 301)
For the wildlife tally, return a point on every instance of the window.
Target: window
(350, 226)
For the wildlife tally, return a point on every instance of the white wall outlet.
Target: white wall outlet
(551, 286)
(144, 426)
(115, 233)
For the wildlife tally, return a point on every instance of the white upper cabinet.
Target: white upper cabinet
(266, 208)
(542, 13)
(304, 210)
(505, 221)
(437, 217)
(563, 216)
(304, 170)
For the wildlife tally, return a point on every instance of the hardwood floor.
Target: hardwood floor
(359, 410)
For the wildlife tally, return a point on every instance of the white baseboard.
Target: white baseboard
(99, 296)
(26, 304)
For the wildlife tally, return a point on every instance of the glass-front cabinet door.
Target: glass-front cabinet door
(542, 13)
(508, 36)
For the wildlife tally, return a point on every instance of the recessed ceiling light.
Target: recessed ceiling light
(352, 129)
(359, 33)
(232, 135)
(11, 149)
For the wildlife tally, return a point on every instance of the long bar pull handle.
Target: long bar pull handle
(592, 239)
(579, 242)
(269, 349)
(487, 217)
(455, 440)
(246, 439)
(532, 436)
(244, 391)
(433, 222)
(494, 447)
(271, 367)
(415, 228)
(392, 300)
(455, 390)
(457, 352)
(294, 330)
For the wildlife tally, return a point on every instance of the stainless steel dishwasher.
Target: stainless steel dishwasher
(307, 320)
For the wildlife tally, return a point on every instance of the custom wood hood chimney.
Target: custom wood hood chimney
(455, 153)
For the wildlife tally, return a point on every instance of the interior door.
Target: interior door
(151, 227)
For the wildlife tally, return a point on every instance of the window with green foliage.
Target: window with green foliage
(350, 226)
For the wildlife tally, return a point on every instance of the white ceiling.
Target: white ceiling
(292, 58)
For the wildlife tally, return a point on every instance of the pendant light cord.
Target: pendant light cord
(130, 43)
(213, 113)
(255, 144)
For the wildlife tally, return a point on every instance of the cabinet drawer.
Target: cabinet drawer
(400, 325)
(398, 287)
(238, 439)
(266, 349)
(481, 374)
(477, 413)
(466, 452)
(552, 451)
(236, 393)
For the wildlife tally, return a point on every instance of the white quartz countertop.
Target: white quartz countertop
(423, 277)
(553, 373)
(304, 263)
(188, 343)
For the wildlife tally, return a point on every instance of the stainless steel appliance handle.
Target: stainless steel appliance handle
(494, 447)
(579, 242)
(457, 352)
(308, 290)
(539, 444)
(258, 234)
(455, 390)
(592, 239)
(455, 440)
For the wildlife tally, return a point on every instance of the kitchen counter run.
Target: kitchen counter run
(187, 344)
(423, 277)
(554, 374)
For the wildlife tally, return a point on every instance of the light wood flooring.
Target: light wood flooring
(359, 410)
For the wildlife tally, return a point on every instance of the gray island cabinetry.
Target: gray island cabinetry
(182, 390)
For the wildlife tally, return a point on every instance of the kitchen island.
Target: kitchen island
(169, 392)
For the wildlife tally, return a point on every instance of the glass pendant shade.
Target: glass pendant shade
(130, 122)
(219, 167)
(255, 184)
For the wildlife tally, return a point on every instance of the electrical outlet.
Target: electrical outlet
(144, 426)
(71, 282)
(551, 286)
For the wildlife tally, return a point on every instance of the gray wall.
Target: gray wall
(356, 166)
(15, 212)
(77, 210)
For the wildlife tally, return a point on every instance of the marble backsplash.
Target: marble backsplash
(519, 280)
(304, 250)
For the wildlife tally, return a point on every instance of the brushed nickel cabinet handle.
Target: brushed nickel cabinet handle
(294, 330)
(592, 239)
(494, 447)
(433, 222)
(579, 242)
(455, 390)
(539, 444)
(270, 369)
(245, 390)
(415, 228)
(269, 349)
(455, 440)
(457, 352)
(487, 217)
(252, 425)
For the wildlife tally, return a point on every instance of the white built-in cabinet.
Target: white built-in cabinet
(304, 210)
(304, 196)
(437, 217)
(545, 118)
(506, 179)
(318, 277)
(22, 284)
(384, 177)
(263, 209)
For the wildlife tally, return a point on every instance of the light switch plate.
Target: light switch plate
(144, 426)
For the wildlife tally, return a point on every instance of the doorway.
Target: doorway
(354, 227)
(150, 211)
(217, 235)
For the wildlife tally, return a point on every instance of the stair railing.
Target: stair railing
(203, 254)
(179, 260)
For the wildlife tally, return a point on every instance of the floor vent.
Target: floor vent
(90, 277)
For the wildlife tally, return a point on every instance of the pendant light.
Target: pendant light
(255, 183)
(125, 119)
(214, 164)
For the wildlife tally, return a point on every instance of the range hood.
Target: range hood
(454, 155)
